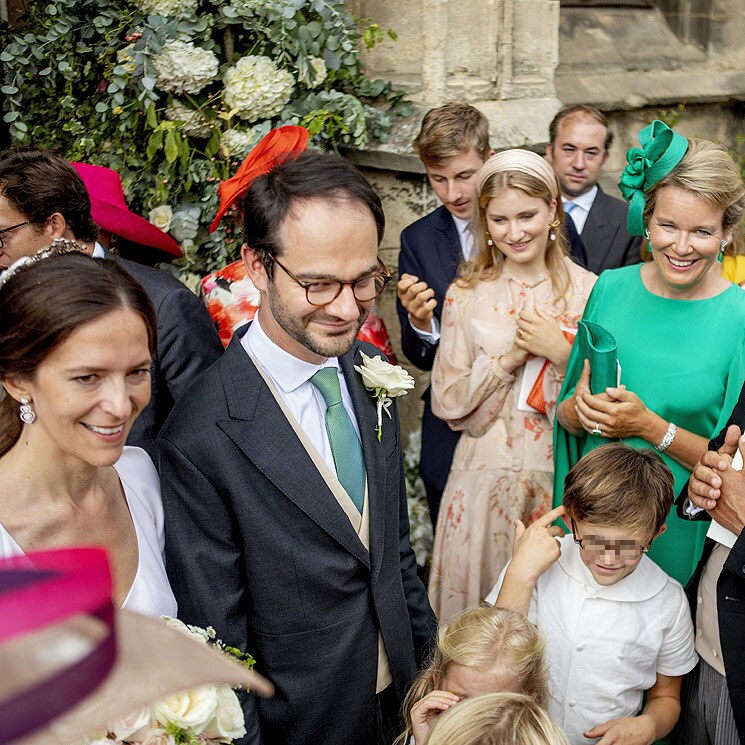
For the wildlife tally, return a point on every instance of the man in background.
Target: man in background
(579, 145)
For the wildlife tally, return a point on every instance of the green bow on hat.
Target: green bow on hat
(661, 150)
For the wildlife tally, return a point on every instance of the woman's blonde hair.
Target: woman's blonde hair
(708, 171)
(496, 719)
(485, 639)
(487, 263)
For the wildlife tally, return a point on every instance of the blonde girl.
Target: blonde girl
(481, 651)
(510, 306)
(497, 719)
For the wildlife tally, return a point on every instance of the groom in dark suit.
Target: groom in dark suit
(286, 516)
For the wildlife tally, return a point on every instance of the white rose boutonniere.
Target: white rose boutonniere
(385, 382)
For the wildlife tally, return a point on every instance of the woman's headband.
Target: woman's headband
(524, 161)
(660, 152)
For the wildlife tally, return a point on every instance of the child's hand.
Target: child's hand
(629, 731)
(535, 548)
(425, 711)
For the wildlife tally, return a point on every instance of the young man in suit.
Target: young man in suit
(43, 198)
(579, 144)
(453, 144)
(286, 517)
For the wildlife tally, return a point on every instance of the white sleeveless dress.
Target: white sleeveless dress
(150, 593)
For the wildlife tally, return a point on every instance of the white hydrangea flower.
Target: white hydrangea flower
(256, 88)
(169, 8)
(237, 143)
(183, 67)
(319, 68)
(194, 123)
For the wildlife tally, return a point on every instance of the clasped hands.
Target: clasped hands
(538, 335)
(717, 487)
(616, 413)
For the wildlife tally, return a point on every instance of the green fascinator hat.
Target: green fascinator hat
(661, 150)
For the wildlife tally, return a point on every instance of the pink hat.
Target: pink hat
(109, 210)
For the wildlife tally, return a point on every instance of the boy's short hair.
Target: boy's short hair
(617, 485)
(450, 130)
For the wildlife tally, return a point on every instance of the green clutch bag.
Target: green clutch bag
(598, 345)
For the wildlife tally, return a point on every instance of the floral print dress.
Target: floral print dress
(503, 464)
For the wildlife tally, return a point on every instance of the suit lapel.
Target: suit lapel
(447, 246)
(374, 452)
(259, 428)
(596, 235)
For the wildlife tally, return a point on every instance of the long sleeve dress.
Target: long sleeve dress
(685, 359)
(503, 465)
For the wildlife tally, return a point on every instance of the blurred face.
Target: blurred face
(90, 389)
(610, 553)
(518, 225)
(578, 154)
(322, 241)
(455, 183)
(685, 233)
(466, 682)
(24, 240)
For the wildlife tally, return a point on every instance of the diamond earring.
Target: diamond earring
(27, 414)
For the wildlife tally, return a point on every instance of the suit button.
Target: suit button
(699, 600)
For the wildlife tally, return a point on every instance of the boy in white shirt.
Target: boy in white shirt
(616, 625)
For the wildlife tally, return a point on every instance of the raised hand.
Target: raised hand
(418, 299)
(426, 710)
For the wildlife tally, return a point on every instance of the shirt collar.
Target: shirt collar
(98, 251)
(646, 581)
(286, 370)
(461, 224)
(584, 201)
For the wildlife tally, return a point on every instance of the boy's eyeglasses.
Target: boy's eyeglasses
(625, 549)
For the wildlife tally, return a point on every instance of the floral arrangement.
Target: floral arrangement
(420, 524)
(385, 382)
(206, 715)
(173, 94)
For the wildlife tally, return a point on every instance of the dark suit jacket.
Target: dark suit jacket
(607, 242)
(187, 344)
(730, 593)
(258, 547)
(430, 250)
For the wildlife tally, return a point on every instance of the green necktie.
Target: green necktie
(345, 446)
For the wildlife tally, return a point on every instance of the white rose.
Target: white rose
(229, 721)
(161, 217)
(200, 635)
(377, 374)
(192, 710)
(157, 736)
(319, 68)
(131, 727)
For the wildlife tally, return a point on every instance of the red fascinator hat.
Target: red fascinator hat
(276, 146)
(109, 210)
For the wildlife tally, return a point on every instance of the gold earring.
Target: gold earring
(489, 241)
(551, 227)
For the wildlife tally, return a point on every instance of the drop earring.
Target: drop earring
(489, 241)
(722, 246)
(649, 243)
(27, 414)
(551, 227)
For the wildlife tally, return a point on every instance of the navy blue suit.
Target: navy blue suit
(430, 250)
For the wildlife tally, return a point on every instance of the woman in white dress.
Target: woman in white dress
(76, 340)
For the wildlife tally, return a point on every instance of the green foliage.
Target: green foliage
(82, 77)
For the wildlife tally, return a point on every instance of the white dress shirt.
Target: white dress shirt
(291, 377)
(583, 205)
(606, 644)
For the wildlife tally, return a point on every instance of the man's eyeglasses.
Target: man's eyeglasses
(12, 227)
(595, 545)
(325, 291)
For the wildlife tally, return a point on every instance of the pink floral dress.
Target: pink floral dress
(503, 464)
(232, 300)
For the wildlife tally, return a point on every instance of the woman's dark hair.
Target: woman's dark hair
(44, 302)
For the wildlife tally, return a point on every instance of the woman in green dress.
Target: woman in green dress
(679, 326)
